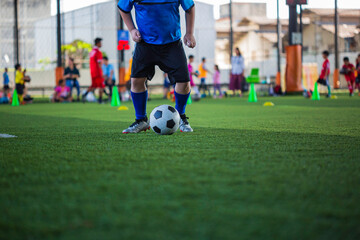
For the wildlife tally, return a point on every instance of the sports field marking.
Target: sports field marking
(3, 135)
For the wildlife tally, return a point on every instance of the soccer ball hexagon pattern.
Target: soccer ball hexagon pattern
(164, 120)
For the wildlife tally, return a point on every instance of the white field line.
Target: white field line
(2, 135)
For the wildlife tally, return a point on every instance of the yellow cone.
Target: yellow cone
(334, 97)
(269, 104)
(123, 108)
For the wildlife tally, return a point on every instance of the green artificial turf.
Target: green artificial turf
(247, 172)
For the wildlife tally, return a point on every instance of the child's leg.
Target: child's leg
(77, 85)
(328, 87)
(219, 88)
(182, 93)
(350, 87)
(139, 96)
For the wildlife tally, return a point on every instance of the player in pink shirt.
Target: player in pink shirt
(325, 72)
(191, 74)
(97, 79)
(216, 81)
(62, 93)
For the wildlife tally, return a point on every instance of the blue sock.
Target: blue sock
(181, 101)
(139, 102)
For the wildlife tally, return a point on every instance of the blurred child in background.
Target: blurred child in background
(62, 93)
(203, 71)
(6, 82)
(348, 70)
(216, 81)
(20, 79)
(191, 74)
(325, 72)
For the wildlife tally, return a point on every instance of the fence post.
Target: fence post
(59, 68)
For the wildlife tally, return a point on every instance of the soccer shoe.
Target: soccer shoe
(138, 126)
(184, 124)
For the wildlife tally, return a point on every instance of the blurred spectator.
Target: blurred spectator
(237, 72)
(203, 71)
(62, 93)
(71, 75)
(216, 81)
(6, 82)
(109, 74)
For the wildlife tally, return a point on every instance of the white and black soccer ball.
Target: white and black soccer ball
(164, 120)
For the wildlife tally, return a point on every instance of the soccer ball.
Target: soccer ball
(164, 120)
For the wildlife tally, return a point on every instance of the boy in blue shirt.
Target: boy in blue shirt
(6, 82)
(158, 39)
(109, 75)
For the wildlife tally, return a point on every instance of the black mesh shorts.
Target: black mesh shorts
(170, 58)
(323, 81)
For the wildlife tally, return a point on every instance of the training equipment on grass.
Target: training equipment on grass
(334, 97)
(316, 94)
(252, 79)
(115, 99)
(269, 104)
(189, 101)
(123, 108)
(15, 99)
(164, 120)
(252, 94)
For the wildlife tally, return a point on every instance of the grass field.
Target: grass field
(247, 172)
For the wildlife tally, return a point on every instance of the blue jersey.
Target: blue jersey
(158, 21)
(107, 70)
(6, 78)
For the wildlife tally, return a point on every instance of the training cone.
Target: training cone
(269, 104)
(316, 94)
(115, 99)
(252, 95)
(189, 101)
(15, 99)
(123, 108)
(335, 97)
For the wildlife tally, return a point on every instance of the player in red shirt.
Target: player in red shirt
(325, 72)
(348, 70)
(97, 79)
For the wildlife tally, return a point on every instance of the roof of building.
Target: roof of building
(331, 12)
(345, 31)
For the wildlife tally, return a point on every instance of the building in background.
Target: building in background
(29, 11)
(241, 10)
(256, 36)
(319, 33)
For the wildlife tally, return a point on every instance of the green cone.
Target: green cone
(115, 99)
(189, 101)
(252, 94)
(316, 94)
(15, 99)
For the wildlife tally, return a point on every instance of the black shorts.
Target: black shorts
(6, 87)
(20, 88)
(322, 81)
(170, 58)
(357, 80)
